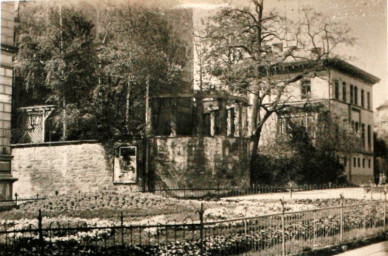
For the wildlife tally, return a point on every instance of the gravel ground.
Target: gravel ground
(354, 193)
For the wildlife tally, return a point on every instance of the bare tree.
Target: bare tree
(255, 53)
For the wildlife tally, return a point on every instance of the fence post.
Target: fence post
(201, 211)
(342, 218)
(122, 228)
(16, 199)
(40, 227)
(283, 230)
(314, 227)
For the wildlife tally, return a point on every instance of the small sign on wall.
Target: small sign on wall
(125, 165)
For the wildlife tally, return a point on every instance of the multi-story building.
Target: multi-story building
(8, 12)
(345, 92)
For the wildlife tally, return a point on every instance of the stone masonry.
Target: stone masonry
(45, 169)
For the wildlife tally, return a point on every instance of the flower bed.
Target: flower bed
(81, 210)
(225, 238)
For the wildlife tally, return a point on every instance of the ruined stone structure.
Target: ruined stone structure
(199, 140)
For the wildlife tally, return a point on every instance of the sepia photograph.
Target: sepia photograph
(194, 127)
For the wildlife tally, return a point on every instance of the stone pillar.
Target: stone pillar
(230, 121)
(212, 123)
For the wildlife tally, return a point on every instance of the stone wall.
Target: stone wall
(200, 161)
(66, 166)
(174, 162)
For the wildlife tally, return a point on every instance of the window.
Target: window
(305, 89)
(351, 94)
(363, 135)
(354, 162)
(355, 95)
(336, 90)
(363, 163)
(369, 138)
(356, 126)
(344, 92)
(368, 100)
(369, 163)
(6, 72)
(362, 98)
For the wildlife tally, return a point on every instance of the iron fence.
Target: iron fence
(10, 203)
(192, 193)
(284, 233)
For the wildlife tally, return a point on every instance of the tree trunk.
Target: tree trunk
(254, 153)
(127, 107)
(64, 123)
(199, 116)
(255, 146)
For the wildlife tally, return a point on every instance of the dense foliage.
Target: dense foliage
(95, 65)
(299, 158)
(57, 59)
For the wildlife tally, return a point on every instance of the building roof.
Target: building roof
(319, 65)
(348, 68)
(197, 94)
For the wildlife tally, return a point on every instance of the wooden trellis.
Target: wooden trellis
(32, 126)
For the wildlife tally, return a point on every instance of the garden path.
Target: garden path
(378, 249)
(354, 193)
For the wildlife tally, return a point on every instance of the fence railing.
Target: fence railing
(10, 203)
(236, 191)
(284, 233)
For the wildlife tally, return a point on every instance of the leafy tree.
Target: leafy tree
(299, 157)
(380, 156)
(137, 46)
(245, 51)
(57, 58)
(95, 65)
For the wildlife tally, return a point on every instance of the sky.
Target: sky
(367, 20)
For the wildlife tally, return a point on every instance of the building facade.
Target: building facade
(345, 92)
(8, 49)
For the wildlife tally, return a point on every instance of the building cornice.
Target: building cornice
(322, 65)
(350, 69)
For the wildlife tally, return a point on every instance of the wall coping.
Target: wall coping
(184, 136)
(53, 143)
